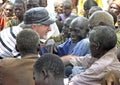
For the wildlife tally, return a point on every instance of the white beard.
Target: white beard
(44, 39)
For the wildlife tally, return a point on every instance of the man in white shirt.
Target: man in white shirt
(37, 19)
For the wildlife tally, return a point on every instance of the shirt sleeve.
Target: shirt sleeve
(84, 61)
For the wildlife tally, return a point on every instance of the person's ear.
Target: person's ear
(98, 46)
(16, 47)
(34, 26)
(45, 75)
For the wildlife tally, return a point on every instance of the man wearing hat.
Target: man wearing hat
(36, 18)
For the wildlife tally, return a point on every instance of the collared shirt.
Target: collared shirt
(95, 68)
(64, 49)
(79, 49)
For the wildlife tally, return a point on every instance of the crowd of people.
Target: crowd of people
(69, 49)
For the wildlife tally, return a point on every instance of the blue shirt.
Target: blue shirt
(80, 49)
(63, 49)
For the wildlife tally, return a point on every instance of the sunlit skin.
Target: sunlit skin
(59, 8)
(42, 30)
(8, 10)
(19, 10)
(67, 9)
(115, 9)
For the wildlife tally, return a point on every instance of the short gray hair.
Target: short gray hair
(27, 26)
(104, 37)
(101, 18)
(81, 23)
(94, 9)
(27, 41)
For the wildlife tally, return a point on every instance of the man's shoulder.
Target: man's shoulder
(8, 60)
(84, 41)
(16, 62)
(13, 28)
(10, 32)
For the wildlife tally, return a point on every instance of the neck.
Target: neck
(28, 55)
(101, 53)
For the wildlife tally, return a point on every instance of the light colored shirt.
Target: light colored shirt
(118, 37)
(95, 68)
(8, 41)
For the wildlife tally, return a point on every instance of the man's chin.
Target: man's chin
(44, 37)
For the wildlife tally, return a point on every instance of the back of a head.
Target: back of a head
(94, 9)
(50, 63)
(27, 42)
(104, 37)
(69, 19)
(101, 18)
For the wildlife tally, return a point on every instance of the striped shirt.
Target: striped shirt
(8, 42)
